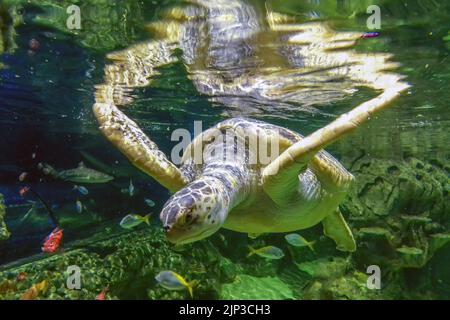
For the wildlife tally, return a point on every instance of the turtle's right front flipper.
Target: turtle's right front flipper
(126, 135)
(281, 174)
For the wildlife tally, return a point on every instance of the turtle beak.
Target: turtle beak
(177, 235)
(172, 234)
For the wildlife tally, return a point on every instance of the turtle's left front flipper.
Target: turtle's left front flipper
(335, 227)
(133, 68)
(126, 135)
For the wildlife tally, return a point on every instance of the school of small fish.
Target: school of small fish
(79, 206)
(173, 281)
(297, 240)
(83, 190)
(268, 252)
(132, 220)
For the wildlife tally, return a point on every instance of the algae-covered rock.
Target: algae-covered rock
(125, 263)
(412, 257)
(10, 17)
(4, 233)
(351, 286)
(374, 233)
(415, 219)
(347, 288)
(385, 188)
(439, 240)
(256, 288)
(105, 25)
(446, 39)
(325, 268)
(396, 201)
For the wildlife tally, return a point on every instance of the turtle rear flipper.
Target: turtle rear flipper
(126, 135)
(335, 227)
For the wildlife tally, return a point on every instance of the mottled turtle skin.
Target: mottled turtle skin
(242, 58)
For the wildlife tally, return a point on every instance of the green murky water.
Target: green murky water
(296, 64)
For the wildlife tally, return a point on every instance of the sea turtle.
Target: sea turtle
(301, 185)
(296, 190)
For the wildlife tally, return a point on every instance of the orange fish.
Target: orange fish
(35, 291)
(23, 176)
(102, 295)
(21, 276)
(53, 241)
(24, 191)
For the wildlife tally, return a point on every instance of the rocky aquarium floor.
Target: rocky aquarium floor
(399, 212)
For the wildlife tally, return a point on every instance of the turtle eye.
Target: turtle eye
(188, 217)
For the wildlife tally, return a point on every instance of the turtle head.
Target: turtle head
(193, 213)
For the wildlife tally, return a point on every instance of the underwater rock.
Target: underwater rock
(412, 257)
(377, 233)
(400, 212)
(439, 240)
(388, 187)
(397, 200)
(352, 286)
(256, 288)
(418, 220)
(325, 268)
(4, 233)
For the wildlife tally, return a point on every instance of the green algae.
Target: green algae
(126, 264)
(410, 251)
(4, 233)
(416, 219)
(105, 26)
(324, 267)
(256, 288)
(439, 240)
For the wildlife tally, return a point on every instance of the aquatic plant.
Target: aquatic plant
(4, 233)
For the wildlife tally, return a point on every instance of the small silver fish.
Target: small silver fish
(79, 206)
(173, 281)
(297, 240)
(23, 176)
(131, 189)
(84, 191)
(149, 202)
(132, 220)
(30, 212)
(269, 252)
